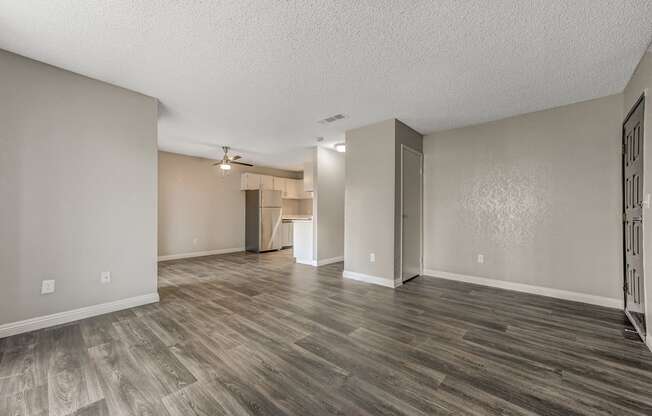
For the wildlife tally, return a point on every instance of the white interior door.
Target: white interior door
(411, 212)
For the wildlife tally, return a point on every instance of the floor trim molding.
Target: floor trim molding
(200, 254)
(535, 290)
(306, 262)
(40, 322)
(330, 261)
(648, 341)
(369, 279)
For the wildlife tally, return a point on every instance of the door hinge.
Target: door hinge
(625, 287)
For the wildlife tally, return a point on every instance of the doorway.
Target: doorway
(411, 212)
(634, 282)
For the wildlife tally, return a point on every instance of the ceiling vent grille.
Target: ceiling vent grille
(331, 119)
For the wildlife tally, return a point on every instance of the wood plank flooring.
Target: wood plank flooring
(247, 334)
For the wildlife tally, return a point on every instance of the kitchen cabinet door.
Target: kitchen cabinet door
(297, 185)
(280, 184)
(287, 234)
(289, 187)
(267, 182)
(249, 181)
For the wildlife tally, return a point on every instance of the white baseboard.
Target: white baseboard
(200, 254)
(648, 341)
(536, 290)
(370, 279)
(330, 261)
(14, 328)
(306, 262)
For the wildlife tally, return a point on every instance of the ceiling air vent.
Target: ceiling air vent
(331, 119)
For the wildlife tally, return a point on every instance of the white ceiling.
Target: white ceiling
(258, 75)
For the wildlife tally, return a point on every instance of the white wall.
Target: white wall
(329, 202)
(199, 209)
(538, 194)
(640, 83)
(77, 190)
(369, 200)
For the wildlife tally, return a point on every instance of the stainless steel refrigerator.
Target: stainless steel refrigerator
(263, 221)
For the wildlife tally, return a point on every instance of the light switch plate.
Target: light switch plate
(47, 287)
(480, 258)
(372, 257)
(105, 277)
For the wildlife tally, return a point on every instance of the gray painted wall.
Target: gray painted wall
(329, 201)
(78, 190)
(369, 200)
(373, 190)
(199, 209)
(411, 138)
(640, 83)
(539, 195)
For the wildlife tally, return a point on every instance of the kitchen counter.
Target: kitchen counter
(302, 239)
(296, 217)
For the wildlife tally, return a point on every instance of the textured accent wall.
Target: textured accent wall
(539, 195)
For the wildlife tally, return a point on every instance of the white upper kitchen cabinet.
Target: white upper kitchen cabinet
(281, 184)
(249, 181)
(267, 182)
(292, 188)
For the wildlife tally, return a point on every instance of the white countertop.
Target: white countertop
(297, 217)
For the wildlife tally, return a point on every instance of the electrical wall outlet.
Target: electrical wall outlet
(480, 258)
(105, 277)
(47, 286)
(372, 257)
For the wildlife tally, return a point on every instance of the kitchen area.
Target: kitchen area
(279, 215)
(304, 214)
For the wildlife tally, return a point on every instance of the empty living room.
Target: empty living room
(321, 207)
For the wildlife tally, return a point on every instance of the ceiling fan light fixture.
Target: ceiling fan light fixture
(340, 147)
(225, 166)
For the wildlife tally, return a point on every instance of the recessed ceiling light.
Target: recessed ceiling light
(340, 147)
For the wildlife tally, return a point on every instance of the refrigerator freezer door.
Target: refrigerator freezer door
(270, 229)
(252, 221)
(270, 199)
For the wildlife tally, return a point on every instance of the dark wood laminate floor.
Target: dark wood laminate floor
(247, 334)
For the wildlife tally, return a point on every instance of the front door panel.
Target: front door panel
(633, 217)
(411, 200)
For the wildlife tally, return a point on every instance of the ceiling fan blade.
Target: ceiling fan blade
(242, 163)
(236, 157)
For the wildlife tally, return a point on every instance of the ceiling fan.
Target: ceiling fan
(227, 161)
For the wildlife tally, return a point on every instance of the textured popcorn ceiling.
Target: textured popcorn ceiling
(258, 75)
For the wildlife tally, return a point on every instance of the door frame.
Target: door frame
(405, 148)
(641, 333)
